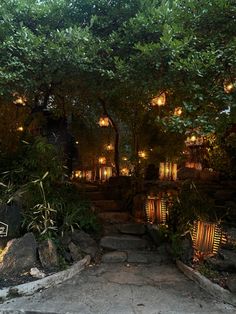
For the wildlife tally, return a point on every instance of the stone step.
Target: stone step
(132, 228)
(114, 217)
(123, 242)
(134, 256)
(94, 195)
(106, 205)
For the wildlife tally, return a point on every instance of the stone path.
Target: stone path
(122, 288)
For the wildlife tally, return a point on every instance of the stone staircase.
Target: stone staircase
(123, 239)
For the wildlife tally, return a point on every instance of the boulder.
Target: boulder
(123, 242)
(114, 257)
(75, 252)
(225, 262)
(19, 255)
(231, 283)
(86, 244)
(48, 254)
(11, 216)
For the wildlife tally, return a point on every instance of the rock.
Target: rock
(156, 234)
(114, 257)
(75, 252)
(66, 239)
(19, 255)
(123, 242)
(146, 257)
(10, 215)
(231, 283)
(225, 262)
(186, 249)
(48, 254)
(85, 242)
(36, 273)
(132, 228)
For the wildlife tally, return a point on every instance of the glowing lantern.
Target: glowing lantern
(207, 238)
(159, 100)
(168, 171)
(124, 158)
(105, 173)
(104, 121)
(194, 140)
(102, 160)
(124, 171)
(109, 147)
(20, 129)
(178, 111)
(20, 100)
(83, 174)
(142, 154)
(77, 174)
(228, 87)
(194, 165)
(157, 209)
(77, 142)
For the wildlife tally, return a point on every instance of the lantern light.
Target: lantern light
(77, 142)
(178, 111)
(124, 171)
(20, 100)
(157, 209)
(109, 147)
(104, 121)
(102, 160)
(168, 171)
(105, 173)
(207, 238)
(228, 87)
(159, 100)
(20, 129)
(194, 165)
(142, 154)
(124, 158)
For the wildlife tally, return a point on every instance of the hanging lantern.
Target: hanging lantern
(142, 154)
(159, 100)
(104, 121)
(109, 147)
(124, 171)
(228, 87)
(157, 209)
(178, 111)
(168, 171)
(102, 160)
(105, 173)
(207, 238)
(20, 129)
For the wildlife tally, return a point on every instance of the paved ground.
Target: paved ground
(123, 289)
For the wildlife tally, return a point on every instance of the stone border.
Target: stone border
(212, 288)
(44, 283)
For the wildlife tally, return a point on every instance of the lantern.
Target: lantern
(77, 174)
(194, 140)
(157, 209)
(228, 87)
(109, 147)
(207, 238)
(104, 121)
(159, 100)
(86, 175)
(124, 171)
(20, 100)
(194, 165)
(105, 173)
(178, 111)
(20, 129)
(142, 154)
(168, 171)
(102, 160)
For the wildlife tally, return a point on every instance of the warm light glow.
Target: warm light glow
(168, 171)
(207, 238)
(157, 209)
(105, 173)
(124, 158)
(20, 129)
(109, 147)
(142, 154)
(104, 121)
(178, 111)
(124, 171)
(194, 140)
(102, 160)
(77, 142)
(194, 165)
(228, 87)
(83, 174)
(159, 100)
(20, 100)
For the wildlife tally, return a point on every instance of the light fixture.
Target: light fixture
(124, 171)
(178, 111)
(20, 100)
(104, 121)
(157, 208)
(124, 158)
(105, 173)
(102, 160)
(228, 87)
(142, 154)
(77, 142)
(20, 129)
(159, 100)
(168, 171)
(109, 147)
